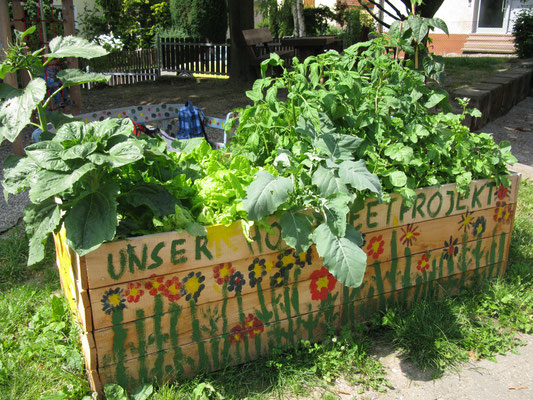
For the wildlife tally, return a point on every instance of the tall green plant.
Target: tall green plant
(201, 19)
(17, 106)
(523, 34)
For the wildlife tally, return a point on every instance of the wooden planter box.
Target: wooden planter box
(166, 305)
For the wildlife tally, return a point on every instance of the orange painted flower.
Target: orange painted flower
(253, 325)
(172, 289)
(133, 293)
(222, 272)
(155, 284)
(322, 282)
(375, 247)
(409, 235)
(423, 263)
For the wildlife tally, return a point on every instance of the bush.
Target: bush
(523, 34)
(352, 31)
(316, 20)
(200, 19)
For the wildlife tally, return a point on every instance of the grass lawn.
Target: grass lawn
(464, 71)
(40, 357)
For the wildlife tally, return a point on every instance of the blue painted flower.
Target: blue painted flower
(280, 278)
(236, 282)
(450, 248)
(303, 258)
(479, 226)
(192, 286)
(113, 300)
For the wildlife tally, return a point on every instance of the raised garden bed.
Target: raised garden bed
(167, 305)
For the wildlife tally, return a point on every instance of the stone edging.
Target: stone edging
(497, 94)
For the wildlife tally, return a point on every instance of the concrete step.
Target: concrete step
(489, 44)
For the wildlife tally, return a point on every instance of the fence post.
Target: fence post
(159, 55)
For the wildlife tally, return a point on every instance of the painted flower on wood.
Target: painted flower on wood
(503, 212)
(479, 226)
(154, 285)
(172, 289)
(466, 221)
(286, 259)
(222, 272)
(133, 292)
(236, 282)
(113, 300)
(192, 286)
(375, 247)
(280, 278)
(450, 248)
(423, 263)
(237, 334)
(253, 325)
(303, 258)
(501, 193)
(410, 235)
(258, 269)
(322, 283)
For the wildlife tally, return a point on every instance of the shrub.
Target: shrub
(200, 19)
(523, 34)
(316, 20)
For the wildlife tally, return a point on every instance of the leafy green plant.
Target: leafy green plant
(18, 105)
(523, 34)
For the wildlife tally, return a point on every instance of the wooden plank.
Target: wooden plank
(226, 350)
(188, 322)
(116, 262)
(425, 236)
(269, 268)
(432, 203)
(88, 347)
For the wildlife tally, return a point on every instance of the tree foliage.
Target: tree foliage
(200, 19)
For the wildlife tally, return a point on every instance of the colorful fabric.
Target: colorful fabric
(190, 122)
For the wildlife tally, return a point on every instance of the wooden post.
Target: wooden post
(11, 79)
(72, 62)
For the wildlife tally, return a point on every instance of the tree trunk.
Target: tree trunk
(241, 16)
(298, 18)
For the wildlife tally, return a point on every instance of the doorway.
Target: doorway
(493, 16)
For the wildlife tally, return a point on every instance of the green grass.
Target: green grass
(462, 71)
(40, 357)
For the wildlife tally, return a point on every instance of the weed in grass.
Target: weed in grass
(39, 349)
(521, 250)
(14, 257)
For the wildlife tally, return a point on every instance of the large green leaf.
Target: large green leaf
(40, 220)
(342, 257)
(17, 173)
(47, 156)
(419, 27)
(44, 183)
(121, 154)
(397, 178)
(17, 108)
(71, 77)
(399, 152)
(336, 210)
(78, 151)
(296, 230)
(155, 197)
(265, 194)
(74, 46)
(356, 174)
(327, 182)
(92, 220)
(337, 147)
(187, 145)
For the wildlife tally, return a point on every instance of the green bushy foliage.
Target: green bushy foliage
(316, 20)
(523, 34)
(200, 19)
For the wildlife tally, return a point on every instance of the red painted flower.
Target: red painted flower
(375, 247)
(507, 213)
(172, 289)
(253, 325)
(222, 272)
(423, 263)
(501, 193)
(500, 211)
(322, 282)
(133, 293)
(409, 235)
(237, 334)
(154, 285)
